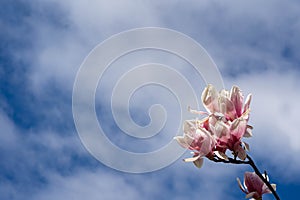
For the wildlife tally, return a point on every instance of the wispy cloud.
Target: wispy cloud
(253, 43)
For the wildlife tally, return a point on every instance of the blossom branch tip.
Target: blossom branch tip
(221, 131)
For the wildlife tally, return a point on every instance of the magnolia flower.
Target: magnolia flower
(237, 130)
(222, 129)
(254, 187)
(228, 119)
(229, 104)
(198, 139)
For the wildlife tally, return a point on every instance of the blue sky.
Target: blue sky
(255, 45)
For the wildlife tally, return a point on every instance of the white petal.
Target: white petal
(197, 111)
(221, 155)
(189, 126)
(210, 98)
(247, 102)
(182, 141)
(240, 185)
(248, 133)
(247, 147)
(250, 195)
(199, 162)
(192, 159)
(224, 93)
(265, 176)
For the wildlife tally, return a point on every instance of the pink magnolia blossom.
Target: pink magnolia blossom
(229, 104)
(254, 187)
(228, 118)
(198, 139)
(222, 129)
(230, 137)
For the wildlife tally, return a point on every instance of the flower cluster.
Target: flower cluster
(254, 187)
(222, 129)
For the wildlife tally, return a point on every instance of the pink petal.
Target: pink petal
(238, 128)
(220, 129)
(237, 99)
(210, 98)
(247, 102)
(227, 107)
(253, 182)
(207, 142)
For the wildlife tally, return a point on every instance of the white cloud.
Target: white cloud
(237, 35)
(275, 117)
(91, 185)
(179, 182)
(8, 136)
(60, 50)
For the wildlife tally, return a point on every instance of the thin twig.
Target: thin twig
(230, 160)
(252, 164)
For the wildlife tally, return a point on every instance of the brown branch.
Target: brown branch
(252, 164)
(230, 160)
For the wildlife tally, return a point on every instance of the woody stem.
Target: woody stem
(252, 164)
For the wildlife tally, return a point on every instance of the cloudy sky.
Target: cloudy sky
(255, 45)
